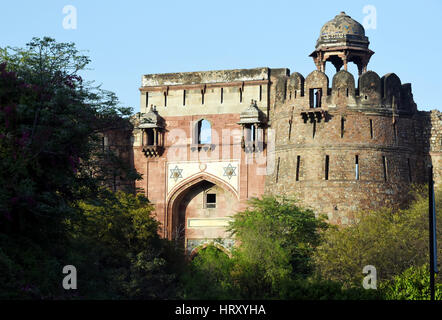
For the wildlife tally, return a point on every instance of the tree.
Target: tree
(118, 247)
(51, 123)
(277, 240)
(50, 126)
(392, 241)
(208, 276)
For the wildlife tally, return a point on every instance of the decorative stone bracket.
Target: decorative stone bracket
(153, 151)
(202, 147)
(315, 114)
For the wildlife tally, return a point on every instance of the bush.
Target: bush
(412, 284)
(392, 241)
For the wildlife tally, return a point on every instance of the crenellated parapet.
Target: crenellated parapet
(372, 93)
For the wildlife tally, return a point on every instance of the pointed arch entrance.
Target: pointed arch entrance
(198, 210)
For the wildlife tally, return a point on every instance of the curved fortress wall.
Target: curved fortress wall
(347, 146)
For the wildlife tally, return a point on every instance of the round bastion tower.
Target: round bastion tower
(344, 146)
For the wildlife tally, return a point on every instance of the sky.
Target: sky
(126, 39)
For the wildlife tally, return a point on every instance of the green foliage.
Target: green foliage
(412, 284)
(50, 125)
(277, 241)
(317, 289)
(208, 276)
(27, 271)
(118, 236)
(53, 211)
(391, 241)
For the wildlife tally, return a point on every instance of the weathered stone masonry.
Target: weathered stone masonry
(206, 142)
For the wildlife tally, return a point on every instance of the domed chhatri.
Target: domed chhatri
(342, 40)
(342, 28)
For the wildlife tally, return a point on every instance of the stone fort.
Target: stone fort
(206, 142)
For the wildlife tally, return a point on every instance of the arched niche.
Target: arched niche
(204, 246)
(179, 192)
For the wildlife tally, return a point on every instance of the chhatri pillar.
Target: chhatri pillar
(342, 40)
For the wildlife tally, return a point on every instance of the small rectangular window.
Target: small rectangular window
(394, 132)
(277, 170)
(327, 163)
(342, 127)
(298, 161)
(184, 97)
(315, 98)
(385, 167)
(165, 99)
(260, 93)
(210, 200)
(147, 100)
(371, 129)
(222, 95)
(357, 167)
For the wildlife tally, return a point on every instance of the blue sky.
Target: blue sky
(127, 39)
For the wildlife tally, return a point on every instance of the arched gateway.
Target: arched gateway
(198, 212)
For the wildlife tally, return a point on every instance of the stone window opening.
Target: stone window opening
(314, 129)
(104, 142)
(371, 129)
(342, 127)
(151, 137)
(147, 99)
(385, 168)
(298, 161)
(222, 95)
(250, 133)
(184, 97)
(327, 166)
(204, 132)
(165, 99)
(240, 95)
(315, 97)
(356, 167)
(394, 132)
(202, 96)
(210, 201)
(260, 93)
(277, 170)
